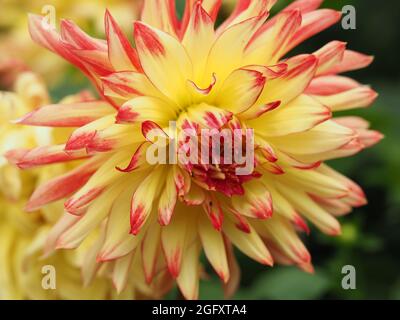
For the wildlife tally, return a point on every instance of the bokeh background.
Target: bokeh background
(371, 235)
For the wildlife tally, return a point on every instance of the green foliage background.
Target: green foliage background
(371, 235)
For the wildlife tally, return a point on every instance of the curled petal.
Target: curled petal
(240, 90)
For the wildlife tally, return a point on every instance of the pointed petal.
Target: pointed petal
(292, 83)
(164, 61)
(118, 244)
(257, 202)
(72, 34)
(173, 241)
(329, 56)
(316, 183)
(120, 272)
(214, 211)
(120, 52)
(96, 213)
(352, 60)
(150, 251)
(145, 108)
(229, 47)
(318, 216)
(189, 276)
(249, 243)
(67, 115)
(284, 236)
(330, 85)
(167, 202)
(40, 156)
(234, 280)
(313, 23)
(82, 136)
(160, 14)
(62, 186)
(246, 9)
(324, 137)
(270, 41)
(126, 85)
(143, 198)
(103, 177)
(214, 247)
(198, 39)
(360, 97)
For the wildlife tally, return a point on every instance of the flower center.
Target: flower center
(215, 149)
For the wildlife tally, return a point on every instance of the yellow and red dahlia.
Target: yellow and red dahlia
(231, 79)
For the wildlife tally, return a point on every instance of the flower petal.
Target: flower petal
(67, 115)
(292, 83)
(329, 85)
(173, 242)
(214, 247)
(63, 186)
(198, 39)
(329, 56)
(145, 108)
(160, 14)
(299, 115)
(151, 250)
(143, 198)
(352, 60)
(127, 85)
(120, 52)
(360, 97)
(240, 90)
(307, 207)
(256, 202)
(188, 279)
(249, 243)
(229, 47)
(164, 61)
(312, 23)
(167, 202)
(326, 136)
(269, 43)
(40, 156)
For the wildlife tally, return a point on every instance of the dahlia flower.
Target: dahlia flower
(23, 236)
(233, 78)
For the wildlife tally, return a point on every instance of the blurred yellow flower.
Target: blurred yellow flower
(23, 235)
(18, 52)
